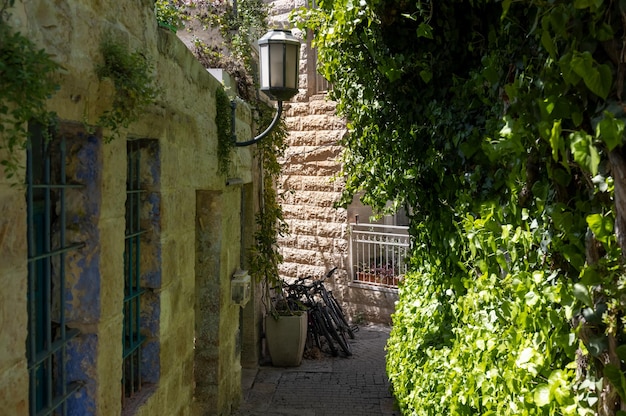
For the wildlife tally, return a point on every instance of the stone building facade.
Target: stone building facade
(116, 258)
(319, 236)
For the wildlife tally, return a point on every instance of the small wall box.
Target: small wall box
(240, 288)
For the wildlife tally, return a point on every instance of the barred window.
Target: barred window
(141, 272)
(49, 335)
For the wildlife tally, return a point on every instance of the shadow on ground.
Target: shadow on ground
(325, 385)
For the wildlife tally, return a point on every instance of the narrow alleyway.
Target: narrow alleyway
(325, 386)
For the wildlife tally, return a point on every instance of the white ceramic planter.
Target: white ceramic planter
(286, 337)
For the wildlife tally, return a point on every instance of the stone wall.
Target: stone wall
(317, 239)
(193, 246)
(311, 183)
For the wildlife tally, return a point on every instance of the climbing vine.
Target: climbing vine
(26, 83)
(240, 29)
(264, 255)
(135, 85)
(500, 125)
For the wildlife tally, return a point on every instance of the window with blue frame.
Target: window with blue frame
(142, 274)
(49, 336)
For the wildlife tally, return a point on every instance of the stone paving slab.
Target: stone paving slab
(326, 386)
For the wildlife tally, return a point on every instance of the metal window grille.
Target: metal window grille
(379, 253)
(48, 333)
(132, 337)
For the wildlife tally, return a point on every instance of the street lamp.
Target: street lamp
(279, 59)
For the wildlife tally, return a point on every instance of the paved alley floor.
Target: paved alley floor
(326, 385)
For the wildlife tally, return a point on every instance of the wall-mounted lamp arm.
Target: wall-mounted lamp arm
(233, 105)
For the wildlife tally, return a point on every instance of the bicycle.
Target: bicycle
(327, 317)
(299, 295)
(339, 327)
(334, 306)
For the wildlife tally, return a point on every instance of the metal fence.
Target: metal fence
(379, 253)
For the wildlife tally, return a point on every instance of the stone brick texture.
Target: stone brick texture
(311, 184)
(197, 330)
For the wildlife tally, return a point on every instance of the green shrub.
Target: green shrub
(26, 83)
(135, 85)
(494, 339)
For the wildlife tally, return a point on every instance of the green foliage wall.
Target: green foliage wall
(500, 124)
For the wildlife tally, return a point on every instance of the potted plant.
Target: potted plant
(285, 332)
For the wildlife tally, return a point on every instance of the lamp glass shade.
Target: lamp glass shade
(279, 56)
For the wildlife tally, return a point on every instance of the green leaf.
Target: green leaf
(424, 30)
(577, 118)
(556, 140)
(548, 43)
(582, 294)
(584, 152)
(617, 379)
(525, 356)
(567, 69)
(596, 77)
(541, 395)
(610, 130)
(426, 75)
(601, 226)
(506, 5)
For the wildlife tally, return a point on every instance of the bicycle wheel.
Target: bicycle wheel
(340, 315)
(341, 329)
(336, 312)
(313, 336)
(320, 326)
(341, 339)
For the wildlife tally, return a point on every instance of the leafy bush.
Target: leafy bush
(500, 124)
(491, 341)
(135, 85)
(26, 83)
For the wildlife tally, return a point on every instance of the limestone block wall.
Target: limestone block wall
(193, 242)
(311, 183)
(317, 240)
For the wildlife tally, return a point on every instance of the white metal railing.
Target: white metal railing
(379, 253)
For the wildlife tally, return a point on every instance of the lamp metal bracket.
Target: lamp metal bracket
(233, 106)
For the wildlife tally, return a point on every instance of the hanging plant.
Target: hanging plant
(240, 29)
(135, 85)
(26, 83)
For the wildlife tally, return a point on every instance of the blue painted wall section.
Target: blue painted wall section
(83, 291)
(82, 353)
(151, 213)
